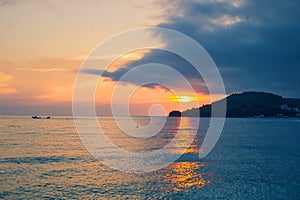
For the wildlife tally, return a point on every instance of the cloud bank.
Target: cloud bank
(254, 43)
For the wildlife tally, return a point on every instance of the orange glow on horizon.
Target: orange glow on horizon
(183, 98)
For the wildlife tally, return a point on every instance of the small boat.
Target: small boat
(36, 117)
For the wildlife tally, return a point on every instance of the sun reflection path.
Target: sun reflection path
(185, 175)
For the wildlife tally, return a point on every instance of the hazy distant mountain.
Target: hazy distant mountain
(252, 104)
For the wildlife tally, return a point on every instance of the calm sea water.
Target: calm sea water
(253, 159)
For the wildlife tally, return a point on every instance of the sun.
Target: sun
(183, 98)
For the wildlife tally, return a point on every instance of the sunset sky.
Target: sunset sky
(254, 43)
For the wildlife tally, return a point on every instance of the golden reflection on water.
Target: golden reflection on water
(185, 141)
(186, 175)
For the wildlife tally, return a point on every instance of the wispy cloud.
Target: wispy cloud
(46, 4)
(5, 87)
(51, 7)
(42, 69)
(227, 20)
(5, 3)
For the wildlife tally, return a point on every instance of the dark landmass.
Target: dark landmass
(252, 104)
(175, 113)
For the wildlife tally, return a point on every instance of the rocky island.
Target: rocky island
(175, 113)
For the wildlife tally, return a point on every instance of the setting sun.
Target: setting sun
(183, 98)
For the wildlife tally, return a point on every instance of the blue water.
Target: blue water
(253, 159)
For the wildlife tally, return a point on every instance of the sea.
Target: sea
(253, 159)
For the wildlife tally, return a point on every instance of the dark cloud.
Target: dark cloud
(259, 50)
(155, 73)
(254, 43)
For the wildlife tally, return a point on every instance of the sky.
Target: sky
(255, 45)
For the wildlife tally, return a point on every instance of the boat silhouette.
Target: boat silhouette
(38, 117)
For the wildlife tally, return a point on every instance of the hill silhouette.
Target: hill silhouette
(252, 104)
(175, 113)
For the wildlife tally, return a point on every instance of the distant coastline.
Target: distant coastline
(249, 104)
